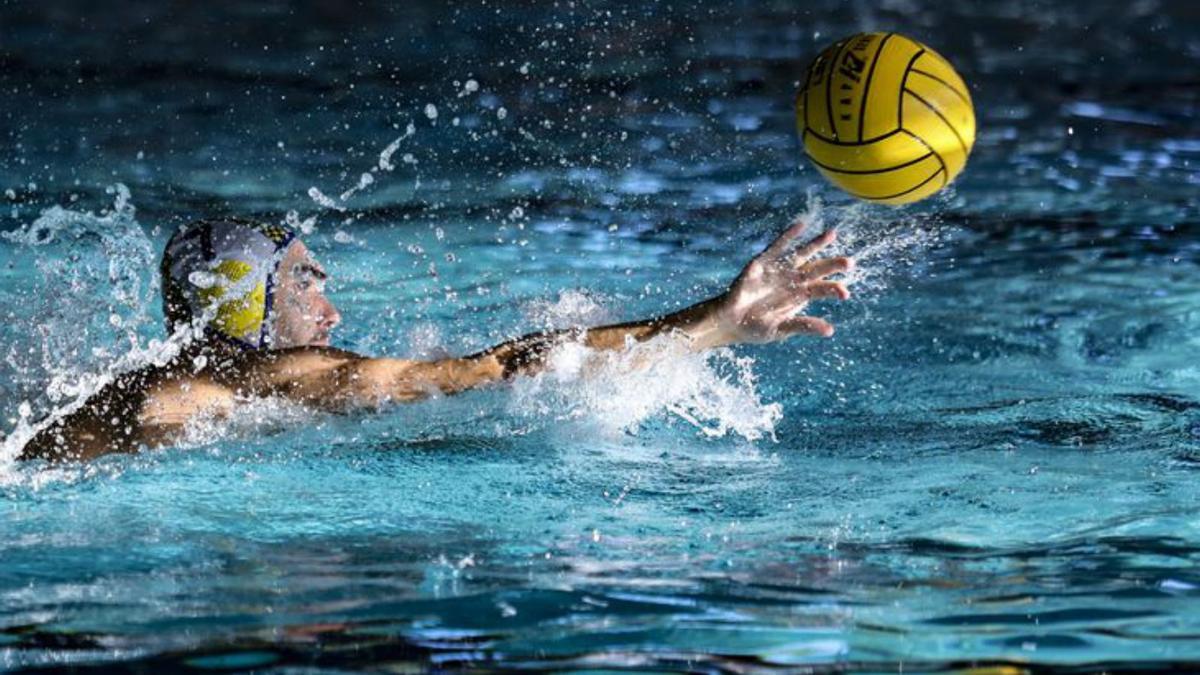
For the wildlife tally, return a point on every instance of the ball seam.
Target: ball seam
(927, 104)
(918, 186)
(922, 141)
(866, 172)
(945, 84)
(862, 110)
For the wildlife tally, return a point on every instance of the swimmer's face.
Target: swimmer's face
(302, 315)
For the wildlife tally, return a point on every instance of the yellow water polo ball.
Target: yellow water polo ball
(885, 118)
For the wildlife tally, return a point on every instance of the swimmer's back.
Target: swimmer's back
(145, 408)
(151, 407)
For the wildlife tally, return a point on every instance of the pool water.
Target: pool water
(993, 463)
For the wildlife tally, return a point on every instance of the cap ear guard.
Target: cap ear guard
(237, 317)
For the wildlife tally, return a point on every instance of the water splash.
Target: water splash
(365, 179)
(571, 308)
(621, 392)
(882, 240)
(252, 418)
(98, 274)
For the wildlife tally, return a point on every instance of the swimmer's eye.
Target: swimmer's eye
(310, 282)
(307, 276)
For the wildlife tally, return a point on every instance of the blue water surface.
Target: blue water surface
(993, 463)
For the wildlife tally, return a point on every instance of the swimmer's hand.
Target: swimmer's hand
(766, 302)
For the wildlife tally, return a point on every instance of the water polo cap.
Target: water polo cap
(224, 269)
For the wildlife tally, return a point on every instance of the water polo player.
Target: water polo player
(247, 302)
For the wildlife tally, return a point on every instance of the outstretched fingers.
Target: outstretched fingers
(779, 247)
(826, 266)
(836, 290)
(813, 247)
(806, 325)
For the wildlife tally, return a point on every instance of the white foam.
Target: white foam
(251, 418)
(618, 392)
(571, 308)
(882, 240)
(111, 260)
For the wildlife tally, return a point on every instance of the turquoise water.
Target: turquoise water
(993, 461)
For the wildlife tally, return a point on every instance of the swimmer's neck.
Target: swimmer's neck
(217, 356)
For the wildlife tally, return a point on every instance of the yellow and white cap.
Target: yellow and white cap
(224, 271)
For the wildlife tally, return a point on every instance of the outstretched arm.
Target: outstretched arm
(763, 304)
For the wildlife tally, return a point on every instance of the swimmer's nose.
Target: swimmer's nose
(329, 316)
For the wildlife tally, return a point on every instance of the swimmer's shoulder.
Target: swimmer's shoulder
(325, 377)
(150, 407)
(174, 395)
(174, 398)
(108, 421)
(250, 367)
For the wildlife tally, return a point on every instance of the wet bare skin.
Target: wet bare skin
(151, 407)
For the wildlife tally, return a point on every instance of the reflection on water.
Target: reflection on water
(992, 463)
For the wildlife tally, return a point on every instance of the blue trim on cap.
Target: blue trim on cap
(236, 342)
(269, 299)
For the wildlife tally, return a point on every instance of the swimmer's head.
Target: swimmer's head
(252, 284)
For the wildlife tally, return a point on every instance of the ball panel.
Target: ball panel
(954, 158)
(881, 112)
(931, 63)
(948, 98)
(879, 44)
(885, 154)
(925, 123)
(818, 116)
(852, 72)
(948, 101)
(886, 184)
(920, 188)
(931, 185)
